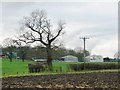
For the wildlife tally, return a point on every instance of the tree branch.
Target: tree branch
(56, 35)
(40, 34)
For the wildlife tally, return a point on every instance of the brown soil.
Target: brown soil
(88, 81)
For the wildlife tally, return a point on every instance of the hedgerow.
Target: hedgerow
(94, 66)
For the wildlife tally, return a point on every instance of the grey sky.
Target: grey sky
(99, 21)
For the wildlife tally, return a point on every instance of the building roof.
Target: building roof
(69, 56)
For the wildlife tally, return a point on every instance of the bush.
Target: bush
(37, 67)
(94, 66)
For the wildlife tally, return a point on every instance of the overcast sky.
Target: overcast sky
(96, 20)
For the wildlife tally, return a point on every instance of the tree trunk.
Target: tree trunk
(49, 57)
(23, 56)
(10, 56)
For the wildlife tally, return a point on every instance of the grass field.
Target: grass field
(15, 67)
(18, 68)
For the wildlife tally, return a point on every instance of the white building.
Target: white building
(94, 58)
(69, 58)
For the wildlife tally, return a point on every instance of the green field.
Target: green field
(11, 68)
(18, 68)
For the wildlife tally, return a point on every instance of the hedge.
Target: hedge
(94, 66)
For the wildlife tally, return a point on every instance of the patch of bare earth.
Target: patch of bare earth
(88, 81)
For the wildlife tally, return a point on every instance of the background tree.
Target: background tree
(59, 52)
(22, 49)
(0, 50)
(37, 28)
(10, 45)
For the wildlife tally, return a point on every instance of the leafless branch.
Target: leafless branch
(39, 25)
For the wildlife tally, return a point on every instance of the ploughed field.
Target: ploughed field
(86, 81)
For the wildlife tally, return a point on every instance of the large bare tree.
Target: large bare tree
(37, 28)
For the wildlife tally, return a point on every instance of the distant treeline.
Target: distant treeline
(39, 52)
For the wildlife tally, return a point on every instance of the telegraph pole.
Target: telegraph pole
(84, 39)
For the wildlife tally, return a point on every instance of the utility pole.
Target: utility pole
(118, 55)
(84, 39)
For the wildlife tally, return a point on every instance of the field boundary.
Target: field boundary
(54, 73)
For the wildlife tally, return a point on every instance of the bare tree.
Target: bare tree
(9, 43)
(37, 28)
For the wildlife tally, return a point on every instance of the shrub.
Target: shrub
(36, 67)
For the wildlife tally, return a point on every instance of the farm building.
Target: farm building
(94, 58)
(69, 58)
